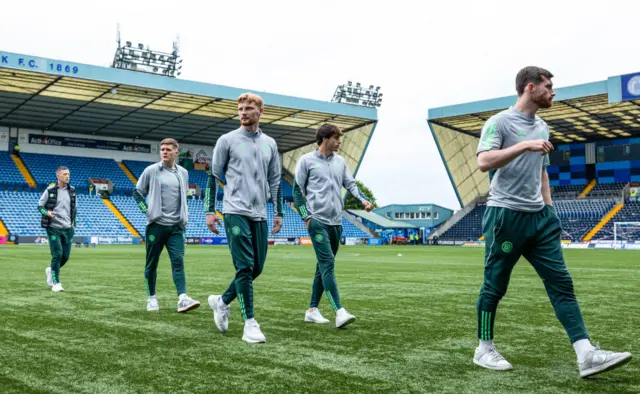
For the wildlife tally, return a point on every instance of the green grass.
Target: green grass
(415, 330)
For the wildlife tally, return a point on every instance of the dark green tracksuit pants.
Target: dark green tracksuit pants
(326, 241)
(171, 237)
(60, 247)
(248, 241)
(510, 234)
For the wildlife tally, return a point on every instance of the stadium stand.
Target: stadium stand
(19, 212)
(580, 216)
(10, 174)
(566, 191)
(605, 190)
(43, 169)
(469, 227)
(629, 213)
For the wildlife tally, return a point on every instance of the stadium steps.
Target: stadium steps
(128, 172)
(587, 189)
(26, 174)
(603, 222)
(3, 228)
(118, 214)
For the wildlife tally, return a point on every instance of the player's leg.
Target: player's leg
(239, 236)
(175, 248)
(55, 246)
(260, 243)
(313, 314)
(67, 242)
(504, 239)
(547, 258)
(343, 318)
(155, 235)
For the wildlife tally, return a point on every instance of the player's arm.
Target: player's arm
(546, 189)
(349, 183)
(300, 178)
(41, 202)
(219, 161)
(141, 189)
(491, 157)
(274, 177)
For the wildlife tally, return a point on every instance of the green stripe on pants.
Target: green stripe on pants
(326, 241)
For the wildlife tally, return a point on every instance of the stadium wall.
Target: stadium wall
(197, 151)
(458, 152)
(4, 138)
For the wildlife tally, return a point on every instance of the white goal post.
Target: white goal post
(623, 230)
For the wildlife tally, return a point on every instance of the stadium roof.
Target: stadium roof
(583, 113)
(48, 94)
(380, 220)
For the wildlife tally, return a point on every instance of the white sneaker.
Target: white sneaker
(491, 359)
(47, 272)
(314, 316)
(57, 287)
(252, 332)
(598, 361)
(221, 312)
(185, 303)
(152, 304)
(343, 318)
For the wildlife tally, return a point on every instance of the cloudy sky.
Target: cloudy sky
(423, 54)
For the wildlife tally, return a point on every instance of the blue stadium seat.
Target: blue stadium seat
(43, 169)
(10, 173)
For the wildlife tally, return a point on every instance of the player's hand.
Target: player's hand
(277, 225)
(212, 221)
(51, 214)
(542, 146)
(367, 206)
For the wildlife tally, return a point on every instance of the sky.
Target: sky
(423, 55)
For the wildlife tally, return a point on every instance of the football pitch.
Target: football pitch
(415, 332)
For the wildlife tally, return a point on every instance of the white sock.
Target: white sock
(153, 297)
(249, 321)
(486, 345)
(582, 347)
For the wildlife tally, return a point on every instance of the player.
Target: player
(319, 178)
(520, 220)
(59, 207)
(166, 185)
(249, 160)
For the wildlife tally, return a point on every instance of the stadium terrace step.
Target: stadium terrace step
(603, 222)
(128, 172)
(3, 228)
(587, 189)
(24, 171)
(123, 220)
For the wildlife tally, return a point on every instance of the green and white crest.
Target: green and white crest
(53, 237)
(319, 237)
(507, 247)
(152, 238)
(235, 230)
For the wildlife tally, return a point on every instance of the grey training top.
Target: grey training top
(321, 179)
(62, 220)
(518, 184)
(251, 165)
